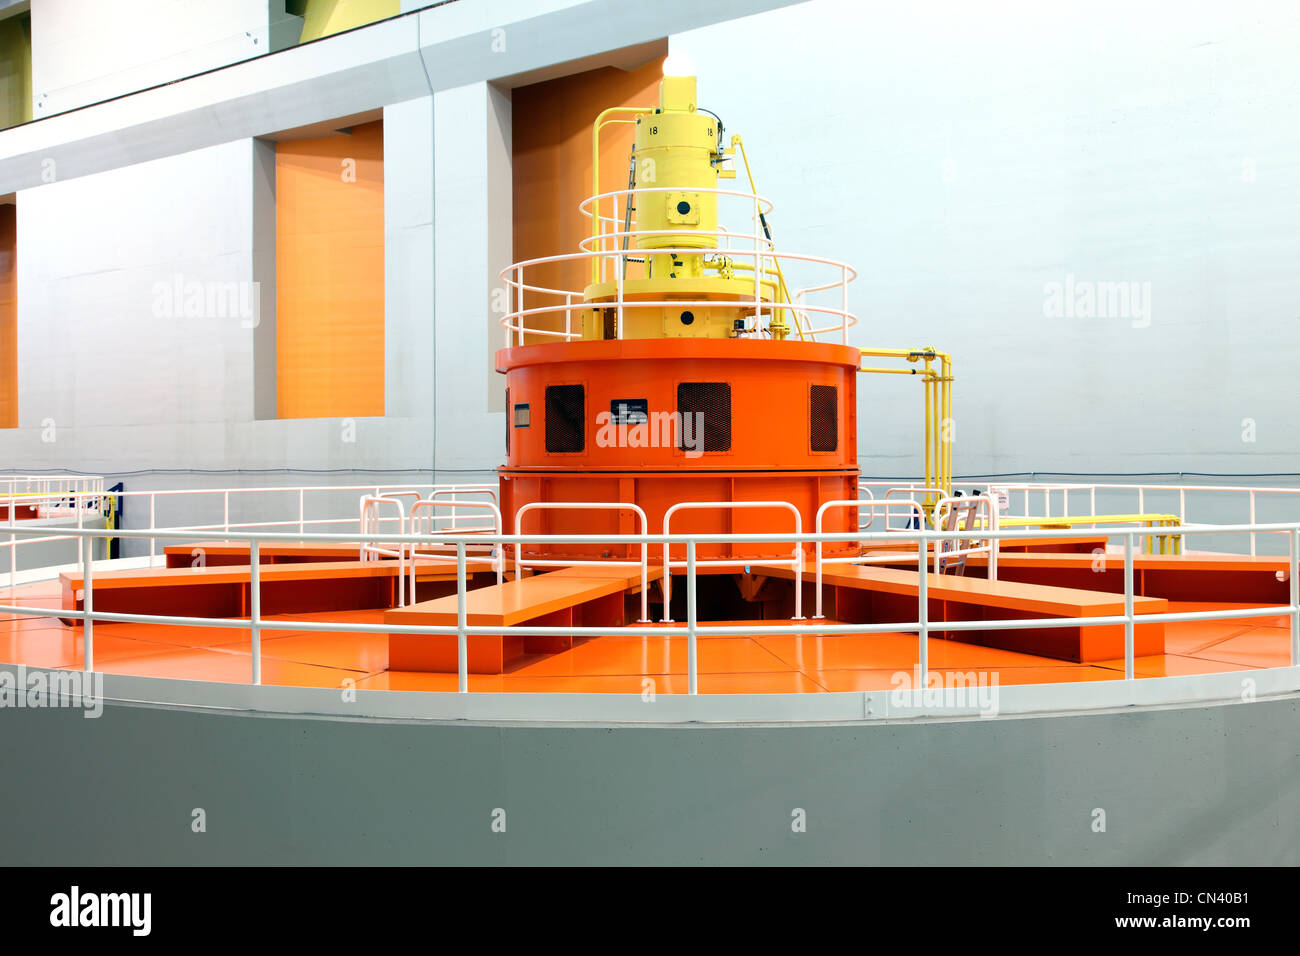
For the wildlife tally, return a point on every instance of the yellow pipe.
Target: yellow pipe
(603, 120)
(746, 267)
(929, 389)
(777, 319)
(945, 434)
(937, 414)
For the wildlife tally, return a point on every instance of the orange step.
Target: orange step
(1195, 576)
(223, 590)
(274, 552)
(863, 593)
(572, 597)
(216, 553)
(1057, 543)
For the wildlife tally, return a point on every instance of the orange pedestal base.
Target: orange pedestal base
(487, 653)
(1080, 644)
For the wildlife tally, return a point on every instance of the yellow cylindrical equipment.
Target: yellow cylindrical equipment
(675, 147)
(673, 204)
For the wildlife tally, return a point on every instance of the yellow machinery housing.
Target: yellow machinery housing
(675, 169)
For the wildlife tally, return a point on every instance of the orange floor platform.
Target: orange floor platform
(611, 664)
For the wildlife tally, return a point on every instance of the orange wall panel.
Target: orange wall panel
(551, 130)
(329, 275)
(8, 316)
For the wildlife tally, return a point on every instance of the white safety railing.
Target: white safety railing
(369, 550)
(864, 494)
(1189, 502)
(289, 502)
(327, 507)
(796, 558)
(1141, 495)
(916, 493)
(466, 493)
(870, 506)
(923, 541)
(423, 520)
(973, 514)
(50, 498)
(521, 562)
(616, 247)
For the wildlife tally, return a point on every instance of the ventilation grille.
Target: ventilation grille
(704, 413)
(564, 419)
(823, 417)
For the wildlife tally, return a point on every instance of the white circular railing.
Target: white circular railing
(613, 248)
(1267, 681)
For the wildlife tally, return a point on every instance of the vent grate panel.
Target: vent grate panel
(704, 412)
(565, 412)
(823, 417)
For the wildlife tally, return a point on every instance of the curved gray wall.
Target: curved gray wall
(1197, 785)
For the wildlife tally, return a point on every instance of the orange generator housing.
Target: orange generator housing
(656, 422)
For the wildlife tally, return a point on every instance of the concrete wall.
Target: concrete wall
(472, 184)
(117, 372)
(962, 159)
(1178, 786)
(113, 378)
(964, 156)
(87, 52)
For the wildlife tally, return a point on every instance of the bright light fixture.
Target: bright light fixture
(678, 64)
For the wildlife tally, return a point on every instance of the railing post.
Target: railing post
(13, 541)
(844, 306)
(87, 605)
(666, 582)
(255, 607)
(302, 512)
(402, 550)
(1295, 597)
(1252, 521)
(796, 565)
(620, 266)
(923, 615)
(1128, 607)
(692, 678)
(153, 526)
(507, 330)
(462, 639)
(758, 267)
(645, 573)
(225, 511)
(817, 615)
(995, 543)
